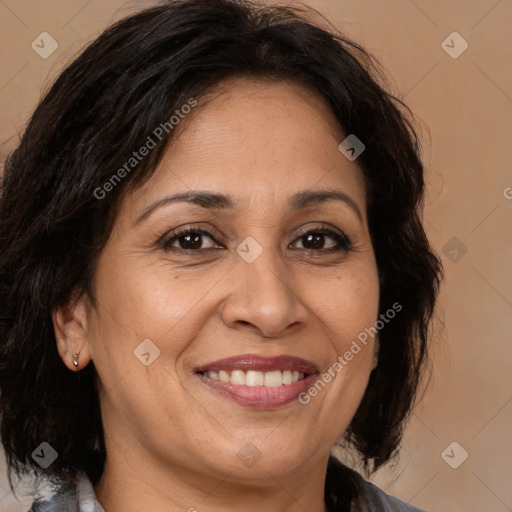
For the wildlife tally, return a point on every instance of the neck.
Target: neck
(127, 485)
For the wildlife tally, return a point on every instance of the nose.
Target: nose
(264, 299)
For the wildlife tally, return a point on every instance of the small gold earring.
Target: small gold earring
(75, 359)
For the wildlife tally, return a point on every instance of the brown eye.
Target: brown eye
(193, 241)
(322, 241)
(190, 240)
(313, 241)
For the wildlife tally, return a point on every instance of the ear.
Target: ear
(70, 326)
(376, 348)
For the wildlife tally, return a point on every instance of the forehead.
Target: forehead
(257, 141)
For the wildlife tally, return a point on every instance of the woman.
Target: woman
(213, 269)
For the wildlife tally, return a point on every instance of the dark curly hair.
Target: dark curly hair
(102, 107)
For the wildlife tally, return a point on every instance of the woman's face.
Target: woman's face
(264, 253)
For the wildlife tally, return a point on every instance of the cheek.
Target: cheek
(346, 303)
(138, 301)
(346, 309)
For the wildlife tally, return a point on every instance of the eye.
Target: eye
(190, 239)
(322, 240)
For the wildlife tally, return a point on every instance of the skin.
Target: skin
(171, 441)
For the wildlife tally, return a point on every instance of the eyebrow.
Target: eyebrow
(214, 201)
(311, 197)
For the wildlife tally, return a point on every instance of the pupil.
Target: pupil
(313, 240)
(190, 241)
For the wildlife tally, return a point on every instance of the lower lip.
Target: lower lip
(260, 397)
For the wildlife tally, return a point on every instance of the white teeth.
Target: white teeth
(287, 377)
(253, 378)
(273, 379)
(238, 378)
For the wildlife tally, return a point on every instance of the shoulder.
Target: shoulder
(347, 490)
(62, 501)
(66, 499)
(374, 499)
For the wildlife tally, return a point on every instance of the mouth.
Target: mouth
(259, 382)
(253, 378)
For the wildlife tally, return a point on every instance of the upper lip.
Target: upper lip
(260, 363)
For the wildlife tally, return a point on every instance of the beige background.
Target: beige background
(464, 108)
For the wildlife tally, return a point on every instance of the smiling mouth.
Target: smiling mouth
(259, 382)
(253, 378)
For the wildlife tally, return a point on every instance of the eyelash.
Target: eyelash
(343, 242)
